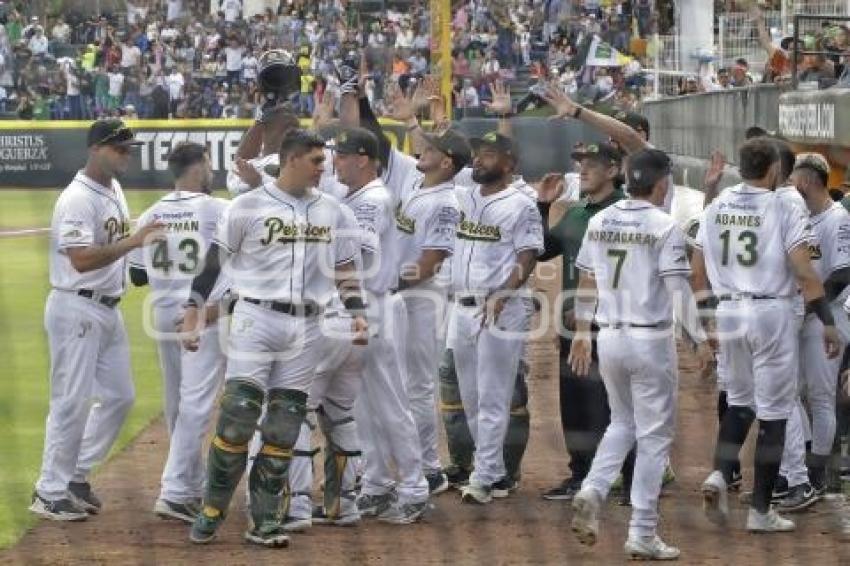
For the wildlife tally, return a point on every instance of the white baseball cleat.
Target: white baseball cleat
(769, 522)
(649, 548)
(475, 492)
(715, 498)
(585, 523)
(297, 524)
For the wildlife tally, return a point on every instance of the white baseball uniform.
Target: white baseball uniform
(388, 434)
(426, 219)
(191, 379)
(281, 249)
(830, 251)
(493, 230)
(633, 249)
(91, 387)
(746, 236)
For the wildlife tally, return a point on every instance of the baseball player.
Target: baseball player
(753, 249)
(499, 237)
(633, 257)
(393, 486)
(830, 252)
(286, 248)
(426, 222)
(192, 379)
(89, 354)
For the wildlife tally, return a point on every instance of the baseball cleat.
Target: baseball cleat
(456, 476)
(563, 492)
(475, 492)
(320, 517)
(374, 505)
(585, 523)
(649, 548)
(403, 513)
(715, 498)
(769, 522)
(185, 512)
(504, 487)
(57, 510)
(297, 524)
(205, 525)
(799, 498)
(83, 496)
(268, 535)
(438, 483)
(737, 481)
(780, 489)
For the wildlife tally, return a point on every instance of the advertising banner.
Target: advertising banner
(47, 154)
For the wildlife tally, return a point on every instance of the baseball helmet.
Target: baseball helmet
(279, 75)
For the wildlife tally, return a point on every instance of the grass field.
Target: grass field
(24, 358)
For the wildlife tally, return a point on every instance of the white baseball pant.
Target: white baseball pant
(425, 319)
(818, 379)
(486, 360)
(639, 369)
(191, 381)
(335, 387)
(760, 338)
(91, 388)
(388, 436)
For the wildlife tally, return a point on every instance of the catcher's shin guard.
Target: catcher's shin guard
(284, 414)
(340, 432)
(241, 406)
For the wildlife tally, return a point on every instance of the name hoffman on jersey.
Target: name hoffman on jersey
(283, 233)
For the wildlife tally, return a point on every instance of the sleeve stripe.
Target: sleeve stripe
(674, 272)
(799, 241)
(534, 247)
(340, 262)
(438, 248)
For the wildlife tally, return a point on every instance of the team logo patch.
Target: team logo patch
(404, 223)
(116, 229)
(283, 233)
(72, 234)
(468, 230)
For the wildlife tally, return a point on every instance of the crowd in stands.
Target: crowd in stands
(187, 59)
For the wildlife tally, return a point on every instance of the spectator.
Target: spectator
(741, 74)
(233, 60)
(61, 32)
(116, 89)
(232, 10)
(131, 55)
(175, 83)
(38, 43)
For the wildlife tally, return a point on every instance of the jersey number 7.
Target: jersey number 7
(619, 258)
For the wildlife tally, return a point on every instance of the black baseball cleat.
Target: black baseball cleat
(456, 476)
(83, 496)
(563, 492)
(799, 498)
(437, 483)
(780, 489)
(186, 512)
(57, 510)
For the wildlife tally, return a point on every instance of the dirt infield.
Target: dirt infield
(521, 530)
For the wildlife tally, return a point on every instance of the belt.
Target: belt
(657, 325)
(470, 300)
(104, 300)
(306, 310)
(746, 296)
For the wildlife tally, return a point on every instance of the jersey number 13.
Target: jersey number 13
(748, 241)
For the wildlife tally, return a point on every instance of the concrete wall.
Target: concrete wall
(696, 125)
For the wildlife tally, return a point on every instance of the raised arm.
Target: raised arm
(611, 127)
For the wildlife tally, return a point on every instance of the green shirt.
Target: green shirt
(565, 237)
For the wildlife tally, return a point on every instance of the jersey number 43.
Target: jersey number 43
(190, 249)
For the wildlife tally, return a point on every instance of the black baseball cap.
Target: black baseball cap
(356, 141)
(111, 132)
(633, 120)
(646, 167)
(605, 152)
(494, 140)
(452, 143)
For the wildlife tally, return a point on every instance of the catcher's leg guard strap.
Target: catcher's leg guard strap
(285, 412)
(241, 406)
